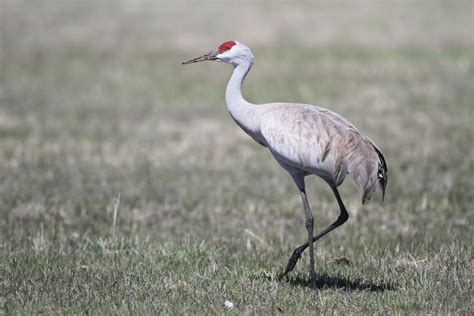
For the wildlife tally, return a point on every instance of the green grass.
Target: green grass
(98, 119)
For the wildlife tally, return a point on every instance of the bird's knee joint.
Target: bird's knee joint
(309, 222)
(297, 252)
(343, 217)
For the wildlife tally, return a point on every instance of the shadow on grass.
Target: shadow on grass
(337, 282)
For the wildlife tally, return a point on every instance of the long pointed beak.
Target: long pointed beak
(208, 56)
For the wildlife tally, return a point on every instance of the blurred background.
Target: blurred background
(103, 133)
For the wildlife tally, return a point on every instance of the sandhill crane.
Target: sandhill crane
(304, 139)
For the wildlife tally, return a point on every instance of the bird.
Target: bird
(305, 140)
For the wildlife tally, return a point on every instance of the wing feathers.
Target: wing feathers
(322, 142)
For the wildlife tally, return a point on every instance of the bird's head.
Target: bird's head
(231, 52)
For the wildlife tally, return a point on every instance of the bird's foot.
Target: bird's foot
(293, 260)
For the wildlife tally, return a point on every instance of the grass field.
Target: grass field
(126, 187)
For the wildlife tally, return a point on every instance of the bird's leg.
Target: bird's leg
(309, 227)
(342, 218)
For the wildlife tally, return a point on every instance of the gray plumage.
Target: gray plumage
(304, 139)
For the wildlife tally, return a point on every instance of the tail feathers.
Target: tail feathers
(368, 168)
(382, 173)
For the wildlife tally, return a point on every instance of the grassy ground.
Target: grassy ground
(125, 186)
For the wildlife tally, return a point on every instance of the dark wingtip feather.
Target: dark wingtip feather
(382, 172)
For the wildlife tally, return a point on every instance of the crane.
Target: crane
(304, 139)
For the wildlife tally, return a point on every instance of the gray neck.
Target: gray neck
(233, 94)
(245, 114)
